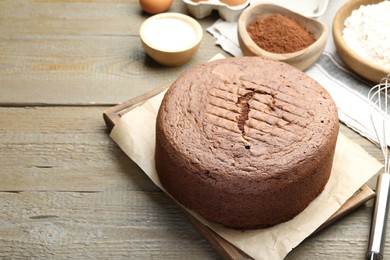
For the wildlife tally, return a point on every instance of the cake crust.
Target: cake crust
(245, 142)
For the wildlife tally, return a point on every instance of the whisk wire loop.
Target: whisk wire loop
(379, 104)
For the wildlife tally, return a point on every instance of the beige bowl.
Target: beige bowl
(171, 39)
(302, 59)
(358, 64)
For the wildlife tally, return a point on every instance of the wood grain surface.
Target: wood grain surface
(80, 52)
(66, 190)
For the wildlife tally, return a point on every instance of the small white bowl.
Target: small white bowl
(302, 59)
(171, 39)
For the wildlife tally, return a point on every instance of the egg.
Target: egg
(233, 2)
(155, 6)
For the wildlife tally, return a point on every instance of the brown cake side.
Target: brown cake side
(245, 142)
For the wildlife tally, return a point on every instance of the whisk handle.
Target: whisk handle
(379, 219)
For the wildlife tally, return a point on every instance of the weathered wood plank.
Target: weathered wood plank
(73, 17)
(75, 52)
(63, 149)
(75, 194)
(101, 225)
(90, 70)
(134, 224)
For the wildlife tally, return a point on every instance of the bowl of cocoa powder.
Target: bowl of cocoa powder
(278, 33)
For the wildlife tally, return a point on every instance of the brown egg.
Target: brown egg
(155, 6)
(233, 2)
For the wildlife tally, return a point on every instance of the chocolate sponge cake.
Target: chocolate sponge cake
(245, 142)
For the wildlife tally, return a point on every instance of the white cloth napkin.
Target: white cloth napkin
(348, 90)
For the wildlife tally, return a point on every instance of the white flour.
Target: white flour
(367, 32)
(170, 34)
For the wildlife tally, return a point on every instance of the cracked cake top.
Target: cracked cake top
(265, 109)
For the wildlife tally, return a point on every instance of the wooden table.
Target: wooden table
(66, 189)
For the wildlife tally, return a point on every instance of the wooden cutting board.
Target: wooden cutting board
(223, 247)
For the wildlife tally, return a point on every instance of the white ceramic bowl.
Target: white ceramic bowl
(302, 59)
(204, 8)
(171, 39)
(361, 66)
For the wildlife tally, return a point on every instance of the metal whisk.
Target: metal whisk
(378, 99)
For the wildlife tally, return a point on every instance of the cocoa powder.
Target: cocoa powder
(280, 34)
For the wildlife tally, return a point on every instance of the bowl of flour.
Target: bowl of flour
(361, 32)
